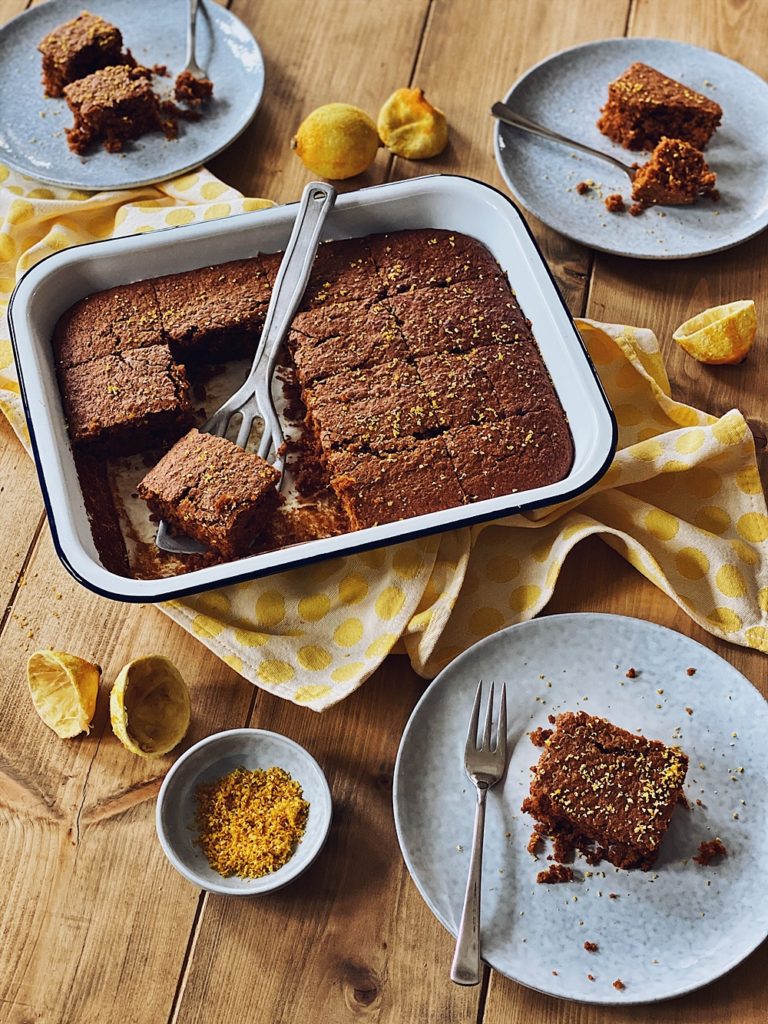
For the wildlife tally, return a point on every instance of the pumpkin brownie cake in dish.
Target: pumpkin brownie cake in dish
(604, 791)
(76, 49)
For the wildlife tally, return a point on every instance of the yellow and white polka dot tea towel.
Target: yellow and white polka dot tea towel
(682, 502)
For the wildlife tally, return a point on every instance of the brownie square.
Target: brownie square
(459, 317)
(342, 271)
(520, 380)
(344, 336)
(126, 403)
(107, 323)
(422, 258)
(112, 106)
(210, 489)
(643, 105)
(214, 312)
(459, 389)
(77, 48)
(606, 791)
(369, 408)
(675, 175)
(411, 479)
(516, 454)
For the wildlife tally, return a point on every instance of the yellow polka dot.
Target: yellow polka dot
(304, 694)
(552, 573)
(407, 562)
(353, 588)
(690, 441)
(730, 581)
(7, 284)
(234, 662)
(7, 248)
(748, 480)
(626, 376)
(20, 212)
(686, 417)
(420, 621)
(691, 563)
(6, 384)
(145, 229)
(349, 633)
(661, 524)
(217, 210)
(185, 182)
(314, 607)
(41, 193)
(674, 466)
(612, 475)
(484, 621)
(382, 645)
(753, 527)
(502, 568)
(213, 603)
(213, 189)
(628, 415)
(389, 602)
(647, 451)
(270, 609)
(541, 549)
(15, 190)
(313, 658)
(177, 217)
(374, 559)
(444, 655)
(762, 598)
(78, 194)
(322, 571)
(602, 349)
(573, 529)
(757, 637)
(6, 354)
(646, 433)
(713, 519)
(746, 553)
(205, 626)
(730, 429)
(250, 638)
(256, 204)
(347, 672)
(4, 172)
(121, 215)
(524, 598)
(725, 618)
(276, 671)
(704, 482)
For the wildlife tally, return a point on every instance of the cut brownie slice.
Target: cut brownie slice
(108, 322)
(460, 317)
(516, 454)
(675, 175)
(344, 335)
(369, 408)
(411, 479)
(606, 791)
(643, 105)
(126, 403)
(214, 312)
(342, 271)
(113, 106)
(417, 259)
(79, 47)
(213, 491)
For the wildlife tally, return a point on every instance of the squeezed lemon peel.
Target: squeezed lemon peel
(721, 334)
(64, 689)
(149, 706)
(409, 126)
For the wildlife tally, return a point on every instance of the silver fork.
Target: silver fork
(484, 765)
(253, 399)
(192, 66)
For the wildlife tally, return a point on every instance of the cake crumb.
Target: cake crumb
(540, 736)
(619, 985)
(689, 711)
(534, 843)
(583, 187)
(591, 947)
(631, 673)
(614, 203)
(555, 874)
(590, 977)
(711, 850)
(690, 671)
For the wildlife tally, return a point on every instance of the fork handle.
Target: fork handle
(465, 969)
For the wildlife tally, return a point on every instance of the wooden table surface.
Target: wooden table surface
(96, 925)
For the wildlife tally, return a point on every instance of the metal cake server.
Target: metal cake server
(253, 399)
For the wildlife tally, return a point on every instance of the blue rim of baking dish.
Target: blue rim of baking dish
(353, 548)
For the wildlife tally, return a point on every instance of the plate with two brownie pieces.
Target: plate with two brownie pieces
(703, 190)
(636, 872)
(92, 97)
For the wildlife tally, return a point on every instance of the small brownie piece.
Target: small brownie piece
(411, 479)
(214, 312)
(516, 454)
(126, 403)
(460, 316)
(675, 175)
(192, 91)
(342, 271)
(344, 335)
(423, 258)
(77, 48)
(108, 322)
(519, 377)
(213, 491)
(604, 787)
(369, 408)
(644, 105)
(113, 106)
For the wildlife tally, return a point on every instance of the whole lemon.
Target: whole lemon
(337, 141)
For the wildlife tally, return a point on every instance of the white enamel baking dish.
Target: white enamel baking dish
(441, 201)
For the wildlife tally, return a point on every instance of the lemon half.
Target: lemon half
(721, 334)
(64, 690)
(149, 706)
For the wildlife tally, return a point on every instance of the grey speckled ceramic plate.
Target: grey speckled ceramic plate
(672, 929)
(32, 126)
(566, 91)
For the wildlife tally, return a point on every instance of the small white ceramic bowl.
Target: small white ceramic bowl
(213, 757)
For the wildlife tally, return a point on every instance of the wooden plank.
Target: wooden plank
(21, 510)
